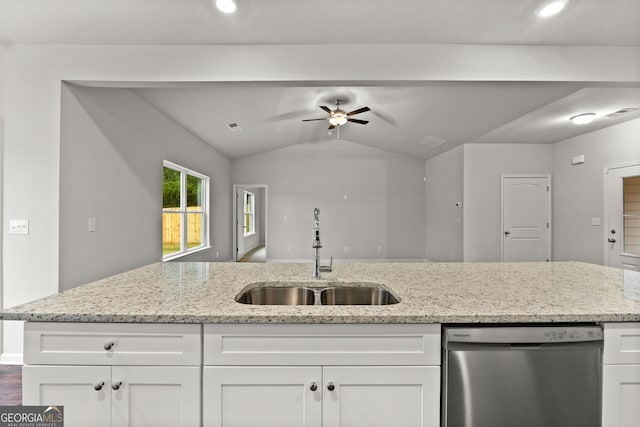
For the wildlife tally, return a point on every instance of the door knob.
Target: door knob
(313, 386)
(506, 233)
(98, 386)
(116, 385)
(611, 240)
(330, 386)
(109, 345)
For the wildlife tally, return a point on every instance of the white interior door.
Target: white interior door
(526, 218)
(622, 216)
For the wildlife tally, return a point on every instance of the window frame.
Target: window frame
(184, 211)
(252, 213)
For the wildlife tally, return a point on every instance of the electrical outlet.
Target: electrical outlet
(92, 224)
(18, 226)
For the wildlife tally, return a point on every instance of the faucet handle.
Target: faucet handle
(327, 268)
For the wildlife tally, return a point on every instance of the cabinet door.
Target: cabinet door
(621, 395)
(381, 396)
(72, 387)
(245, 396)
(156, 396)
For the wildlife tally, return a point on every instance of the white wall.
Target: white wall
(382, 216)
(578, 192)
(483, 165)
(112, 148)
(444, 188)
(30, 85)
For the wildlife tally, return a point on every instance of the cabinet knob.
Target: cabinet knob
(330, 386)
(109, 345)
(98, 386)
(116, 385)
(313, 386)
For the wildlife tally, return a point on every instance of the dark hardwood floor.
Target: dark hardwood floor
(10, 385)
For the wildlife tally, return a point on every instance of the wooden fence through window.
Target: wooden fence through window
(171, 228)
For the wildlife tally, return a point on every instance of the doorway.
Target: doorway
(622, 216)
(526, 218)
(250, 223)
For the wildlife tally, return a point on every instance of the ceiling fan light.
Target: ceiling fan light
(226, 6)
(583, 119)
(552, 8)
(338, 120)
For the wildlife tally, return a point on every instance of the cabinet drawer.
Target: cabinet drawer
(111, 344)
(621, 343)
(322, 345)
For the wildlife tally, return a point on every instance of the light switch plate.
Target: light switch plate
(595, 221)
(18, 226)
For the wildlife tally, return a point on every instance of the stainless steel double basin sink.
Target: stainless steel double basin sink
(334, 293)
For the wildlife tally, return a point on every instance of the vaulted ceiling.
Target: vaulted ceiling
(413, 119)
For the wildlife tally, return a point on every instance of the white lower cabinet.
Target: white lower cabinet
(117, 396)
(381, 396)
(262, 396)
(72, 387)
(321, 376)
(621, 375)
(621, 395)
(330, 396)
(97, 387)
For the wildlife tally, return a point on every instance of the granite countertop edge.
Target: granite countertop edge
(198, 293)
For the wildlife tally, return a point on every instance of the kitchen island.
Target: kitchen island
(167, 344)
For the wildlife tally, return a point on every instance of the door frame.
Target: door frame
(235, 219)
(605, 216)
(525, 175)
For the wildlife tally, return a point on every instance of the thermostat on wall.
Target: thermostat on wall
(577, 160)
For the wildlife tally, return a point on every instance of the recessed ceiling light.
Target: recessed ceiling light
(226, 6)
(583, 119)
(551, 8)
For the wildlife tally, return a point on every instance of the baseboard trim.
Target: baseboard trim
(11, 359)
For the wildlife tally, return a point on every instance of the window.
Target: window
(249, 213)
(631, 214)
(185, 210)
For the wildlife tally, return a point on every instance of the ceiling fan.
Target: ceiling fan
(339, 117)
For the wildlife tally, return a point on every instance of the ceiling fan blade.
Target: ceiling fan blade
(313, 120)
(362, 122)
(332, 127)
(358, 111)
(327, 109)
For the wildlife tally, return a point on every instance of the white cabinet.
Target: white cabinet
(262, 396)
(381, 396)
(364, 375)
(97, 389)
(621, 375)
(73, 388)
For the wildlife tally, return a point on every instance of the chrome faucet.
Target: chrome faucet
(316, 245)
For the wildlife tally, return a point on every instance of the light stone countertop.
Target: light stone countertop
(429, 293)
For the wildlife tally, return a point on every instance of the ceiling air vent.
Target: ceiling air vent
(234, 127)
(621, 111)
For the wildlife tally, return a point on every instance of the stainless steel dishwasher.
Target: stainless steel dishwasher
(522, 376)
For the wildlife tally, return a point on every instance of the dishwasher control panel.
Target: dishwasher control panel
(522, 334)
